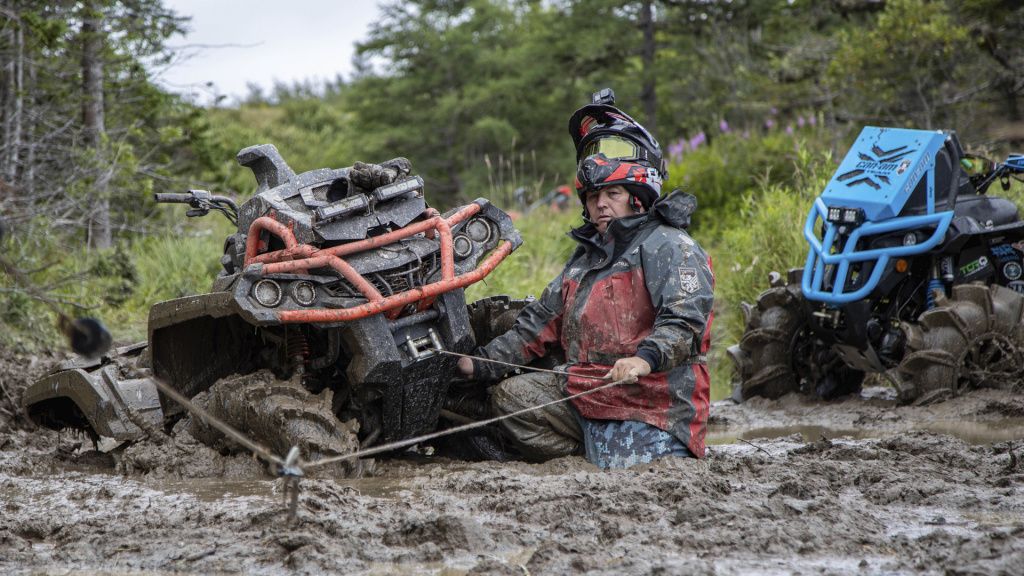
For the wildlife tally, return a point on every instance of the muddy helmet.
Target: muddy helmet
(600, 127)
(598, 171)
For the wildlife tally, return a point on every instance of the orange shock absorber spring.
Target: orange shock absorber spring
(297, 346)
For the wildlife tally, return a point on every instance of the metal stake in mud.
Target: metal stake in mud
(290, 475)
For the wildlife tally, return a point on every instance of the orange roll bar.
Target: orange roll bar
(297, 257)
(398, 300)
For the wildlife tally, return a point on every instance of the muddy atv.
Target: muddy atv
(322, 331)
(912, 272)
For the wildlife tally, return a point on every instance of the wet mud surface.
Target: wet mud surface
(857, 486)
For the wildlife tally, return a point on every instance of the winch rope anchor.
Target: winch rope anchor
(291, 473)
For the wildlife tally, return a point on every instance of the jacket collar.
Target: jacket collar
(674, 209)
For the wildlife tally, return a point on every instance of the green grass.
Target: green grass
(118, 285)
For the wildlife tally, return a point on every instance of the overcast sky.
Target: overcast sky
(234, 42)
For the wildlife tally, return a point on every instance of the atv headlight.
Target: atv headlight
(462, 246)
(304, 292)
(267, 292)
(840, 215)
(479, 230)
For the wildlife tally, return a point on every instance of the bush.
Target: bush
(768, 237)
(118, 285)
(727, 174)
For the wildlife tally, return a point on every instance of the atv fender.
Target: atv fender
(95, 399)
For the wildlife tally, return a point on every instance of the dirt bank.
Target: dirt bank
(900, 499)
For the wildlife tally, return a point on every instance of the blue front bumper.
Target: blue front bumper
(823, 253)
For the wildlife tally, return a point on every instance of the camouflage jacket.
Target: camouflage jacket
(646, 289)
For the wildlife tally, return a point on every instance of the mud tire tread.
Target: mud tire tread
(935, 364)
(761, 361)
(280, 415)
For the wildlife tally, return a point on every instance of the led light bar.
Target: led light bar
(343, 207)
(400, 188)
(840, 215)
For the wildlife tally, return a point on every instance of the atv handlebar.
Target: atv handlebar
(172, 197)
(201, 202)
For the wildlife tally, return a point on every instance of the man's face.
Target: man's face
(607, 204)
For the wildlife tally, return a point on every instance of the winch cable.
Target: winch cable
(292, 468)
(478, 424)
(263, 452)
(530, 368)
(256, 448)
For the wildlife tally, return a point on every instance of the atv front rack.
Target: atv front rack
(297, 258)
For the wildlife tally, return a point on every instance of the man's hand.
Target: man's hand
(466, 367)
(632, 367)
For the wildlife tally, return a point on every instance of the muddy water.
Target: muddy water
(986, 432)
(857, 486)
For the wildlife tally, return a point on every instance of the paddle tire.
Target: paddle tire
(778, 353)
(972, 339)
(279, 415)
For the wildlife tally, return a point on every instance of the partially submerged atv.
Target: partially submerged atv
(323, 329)
(913, 272)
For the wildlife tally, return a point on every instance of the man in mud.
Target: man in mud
(633, 302)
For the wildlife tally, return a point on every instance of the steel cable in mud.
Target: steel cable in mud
(477, 424)
(257, 449)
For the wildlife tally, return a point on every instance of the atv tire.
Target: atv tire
(778, 354)
(279, 415)
(972, 339)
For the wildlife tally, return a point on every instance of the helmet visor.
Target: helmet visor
(612, 147)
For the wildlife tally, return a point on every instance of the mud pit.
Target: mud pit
(901, 497)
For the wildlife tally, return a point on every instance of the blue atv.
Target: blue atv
(913, 272)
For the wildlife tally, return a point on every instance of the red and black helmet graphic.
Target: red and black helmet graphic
(602, 128)
(598, 171)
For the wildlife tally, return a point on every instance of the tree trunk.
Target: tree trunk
(28, 164)
(647, 94)
(6, 89)
(92, 120)
(17, 108)
(1010, 93)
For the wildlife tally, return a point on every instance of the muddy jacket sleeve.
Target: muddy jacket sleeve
(538, 326)
(681, 284)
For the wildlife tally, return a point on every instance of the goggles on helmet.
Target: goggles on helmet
(613, 147)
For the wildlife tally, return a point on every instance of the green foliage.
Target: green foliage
(730, 174)
(309, 132)
(461, 113)
(768, 238)
(118, 285)
(905, 66)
